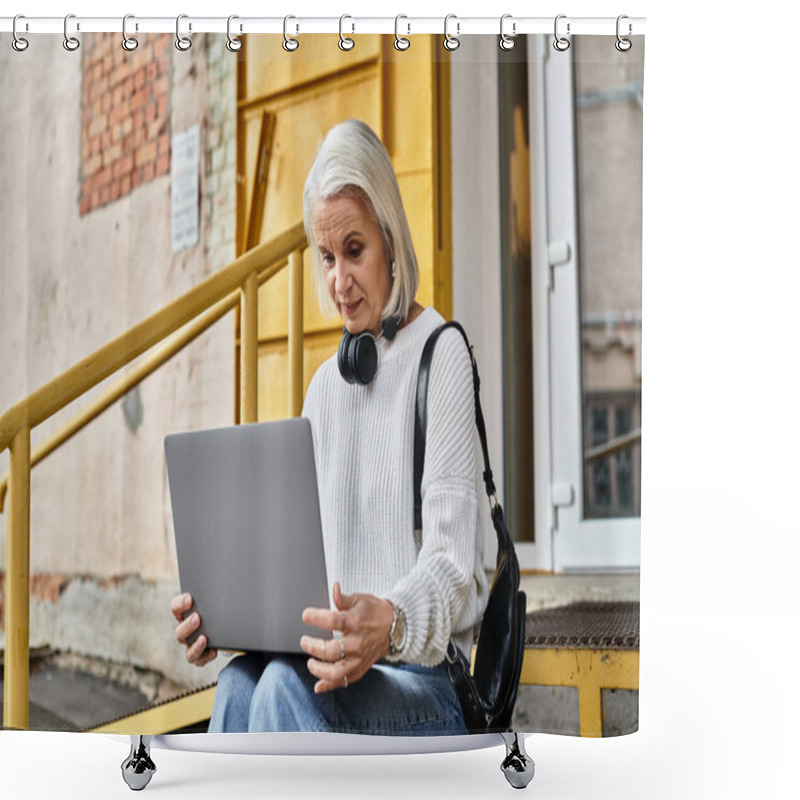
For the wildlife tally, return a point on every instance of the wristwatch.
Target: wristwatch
(397, 633)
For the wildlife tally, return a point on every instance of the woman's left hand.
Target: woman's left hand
(364, 621)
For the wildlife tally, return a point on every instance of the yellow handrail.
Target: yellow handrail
(53, 396)
(16, 663)
(222, 291)
(296, 334)
(249, 333)
(137, 374)
(131, 379)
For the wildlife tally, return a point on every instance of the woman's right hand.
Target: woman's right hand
(196, 652)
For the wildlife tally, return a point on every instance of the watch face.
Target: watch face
(400, 631)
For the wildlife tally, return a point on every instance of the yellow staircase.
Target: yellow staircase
(165, 333)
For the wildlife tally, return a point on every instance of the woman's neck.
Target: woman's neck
(416, 310)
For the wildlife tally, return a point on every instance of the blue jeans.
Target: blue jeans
(258, 693)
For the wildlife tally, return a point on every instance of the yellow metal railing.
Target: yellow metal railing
(173, 327)
(588, 671)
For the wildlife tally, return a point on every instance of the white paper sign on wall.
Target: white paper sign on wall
(185, 188)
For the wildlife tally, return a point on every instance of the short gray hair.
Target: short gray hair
(352, 162)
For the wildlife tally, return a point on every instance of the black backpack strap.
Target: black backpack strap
(486, 695)
(421, 418)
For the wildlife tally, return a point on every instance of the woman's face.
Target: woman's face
(354, 262)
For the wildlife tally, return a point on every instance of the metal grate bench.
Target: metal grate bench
(591, 646)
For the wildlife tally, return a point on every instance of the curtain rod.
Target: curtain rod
(456, 26)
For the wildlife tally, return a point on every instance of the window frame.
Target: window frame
(567, 542)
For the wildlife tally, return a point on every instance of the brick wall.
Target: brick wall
(125, 131)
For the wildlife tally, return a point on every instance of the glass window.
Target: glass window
(608, 131)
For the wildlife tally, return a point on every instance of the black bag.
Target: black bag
(487, 696)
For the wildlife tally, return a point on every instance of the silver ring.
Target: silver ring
(560, 42)
(233, 44)
(322, 657)
(507, 42)
(345, 42)
(623, 45)
(451, 42)
(289, 44)
(345, 681)
(341, 650)
(70, 42)
(400, 42)
(182, 43)
(128, 42)
(18, 43)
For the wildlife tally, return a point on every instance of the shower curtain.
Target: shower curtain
(129, 176)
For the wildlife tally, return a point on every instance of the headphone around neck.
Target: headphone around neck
(358, 353)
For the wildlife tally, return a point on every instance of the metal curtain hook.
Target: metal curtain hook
(400, 42)
(451, 42)
(182, 43)
(70, 42)
(345, 42)
(18, 43)
(507, 42)
(233, 44)
(560, 42)
(289, 44)
(623, 45)
(128, 42)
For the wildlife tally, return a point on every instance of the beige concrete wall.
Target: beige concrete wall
(609, 142)
(609, 89)
(609, 159)
(100, 517)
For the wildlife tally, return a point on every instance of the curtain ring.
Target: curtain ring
(70, 42)
(507, 42)
(128, 42)
(18, 43)
(623, 45)
(345, 42)
(233, 44)
(451, 42)
(560, 42)
(400, 42)
(289, 44)
(182, 43)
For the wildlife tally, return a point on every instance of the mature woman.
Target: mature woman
(399, 595)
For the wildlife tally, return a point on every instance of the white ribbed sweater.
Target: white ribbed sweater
(364, 450)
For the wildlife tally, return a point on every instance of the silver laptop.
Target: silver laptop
(248, 533)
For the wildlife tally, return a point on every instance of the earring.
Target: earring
(392, 270)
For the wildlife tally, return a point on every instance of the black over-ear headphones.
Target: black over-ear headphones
(358, 353)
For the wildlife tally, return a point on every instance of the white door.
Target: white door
(592, 303)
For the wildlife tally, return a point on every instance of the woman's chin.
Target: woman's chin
(354, 327)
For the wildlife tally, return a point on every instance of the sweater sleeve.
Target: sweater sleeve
(445, 593)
